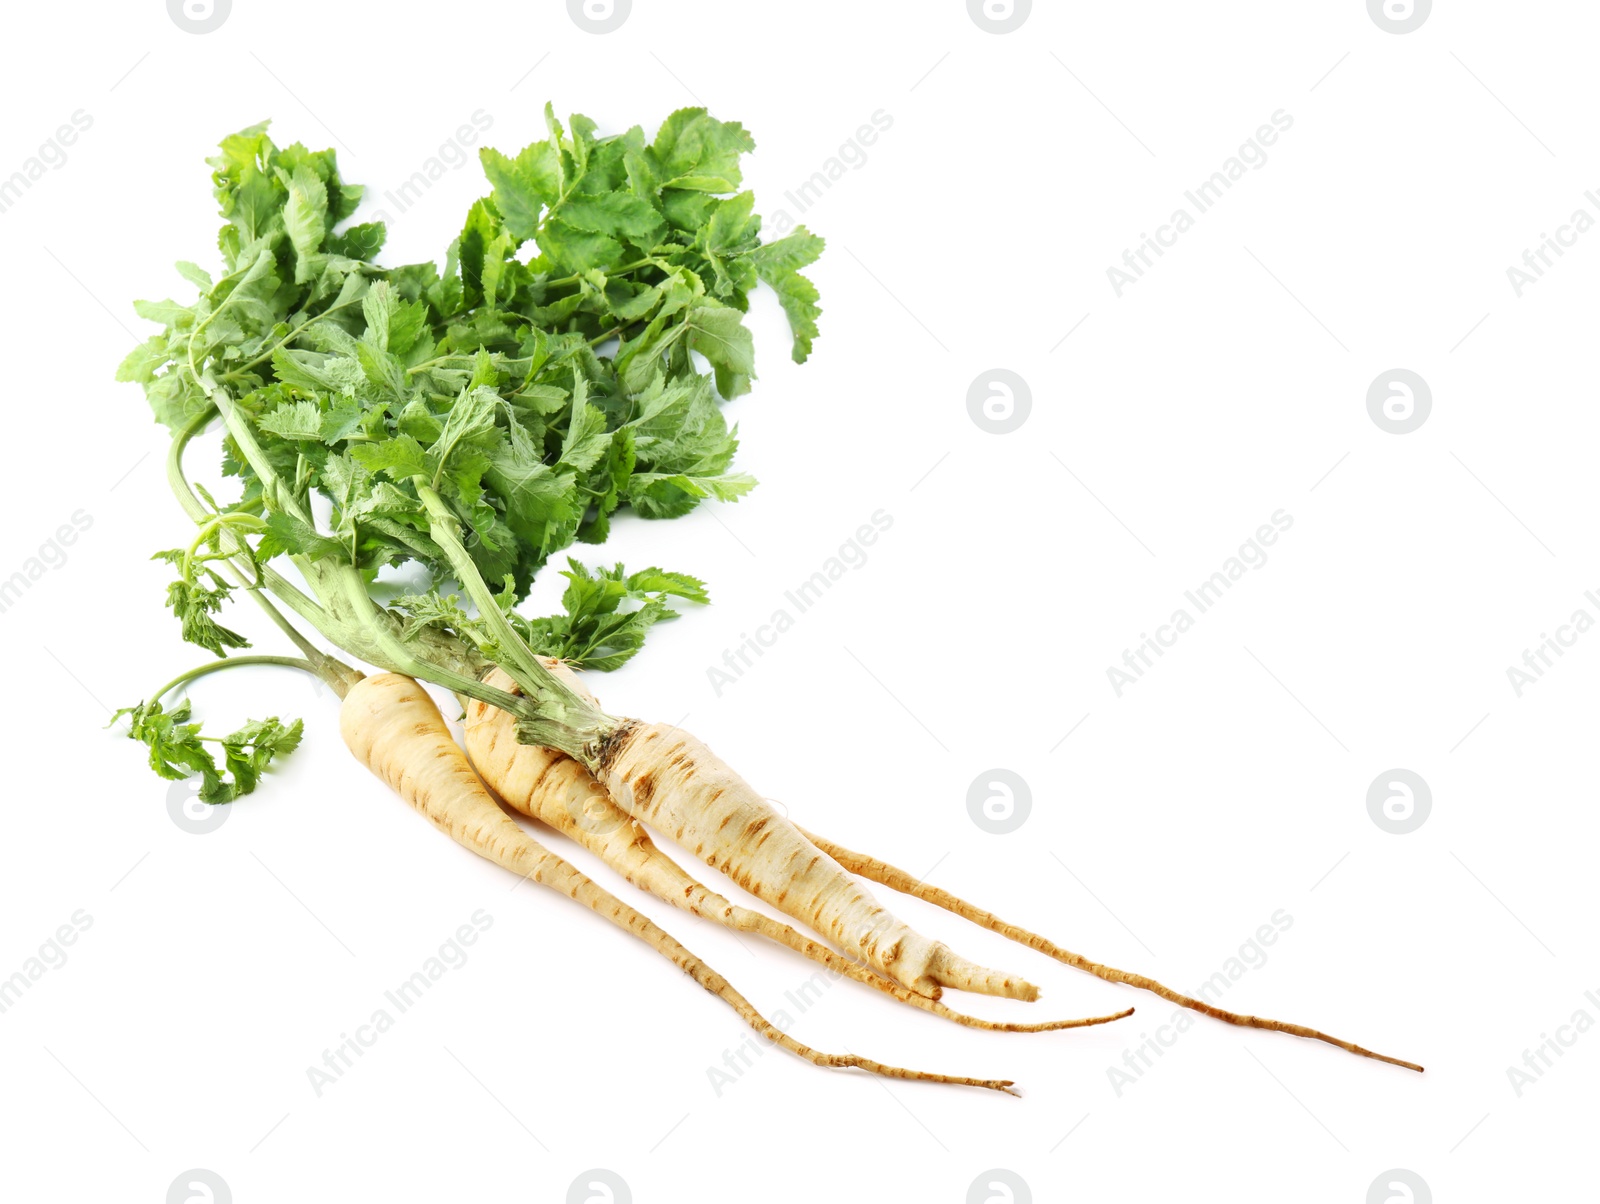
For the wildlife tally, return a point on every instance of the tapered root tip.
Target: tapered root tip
(1005, 1085)
(1122, 1015)
(956, 972)
(1378, 1057)
(1056, 1026)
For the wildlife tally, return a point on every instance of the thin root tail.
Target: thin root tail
(897, 879)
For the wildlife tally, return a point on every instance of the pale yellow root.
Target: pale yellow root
(548, 786)
(669, 780)
(897, 879)
(393, 727)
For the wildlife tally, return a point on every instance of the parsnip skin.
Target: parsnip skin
(666, 778)
(673, 782)
(392, 727)
(549, 786)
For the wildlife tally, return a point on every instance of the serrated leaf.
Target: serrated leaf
(399, 458)
(522, 186)
(294, 420)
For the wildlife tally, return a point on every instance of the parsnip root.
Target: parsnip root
(897, 879)
(671, 781)
(393, 727)
(551, 787)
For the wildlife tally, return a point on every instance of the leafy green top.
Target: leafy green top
(474, 419)
(483, 379)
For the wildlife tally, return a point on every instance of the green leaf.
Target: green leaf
(575, 250)
(670, 495)
(695, 151)
(166, 313)
(608, 614)
(194, 598)
(798, 296)
(611, 213)
(471, 418)
(287, 534)
(361, 242)
(141, 363)
(718, 333)
(195, 275)
(797, 249)
(305, 218)
(178, 750)
(587, 438)
(523, 186)
(400, 458)
(294, 420)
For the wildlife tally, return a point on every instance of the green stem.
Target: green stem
(347, 617)
(609, 334)
(446, 532)
(218, 523)
(197, 511)
(631, 267)
(234, 662)
(392, 653)
(235, 373)
(551, 713)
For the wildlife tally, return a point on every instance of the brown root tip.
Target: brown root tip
(1062, 1025)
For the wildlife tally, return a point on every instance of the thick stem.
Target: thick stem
(445, 531)
(552, 714)
(347, 617)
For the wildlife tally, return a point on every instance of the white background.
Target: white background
(1229, 783)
